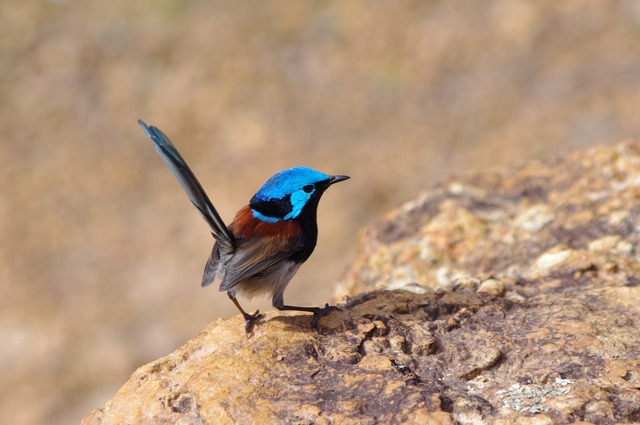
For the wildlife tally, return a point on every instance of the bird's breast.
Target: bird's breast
(245, 226)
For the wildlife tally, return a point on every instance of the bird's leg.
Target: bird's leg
(317, 311)
(249, 318)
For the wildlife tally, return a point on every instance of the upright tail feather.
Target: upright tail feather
(190, 184)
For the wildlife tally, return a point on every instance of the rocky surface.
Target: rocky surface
(511, 297)
(572, 211)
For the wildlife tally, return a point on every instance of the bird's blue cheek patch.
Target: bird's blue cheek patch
(298, 200)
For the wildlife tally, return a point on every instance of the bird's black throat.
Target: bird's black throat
(308, 222)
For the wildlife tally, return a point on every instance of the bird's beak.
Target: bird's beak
(336, 179)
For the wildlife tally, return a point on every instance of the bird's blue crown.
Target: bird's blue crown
(295, 183)
(286, 182)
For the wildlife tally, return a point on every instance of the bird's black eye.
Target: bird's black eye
(308, 188)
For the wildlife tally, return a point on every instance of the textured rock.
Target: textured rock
(516, 300)
(519, 223)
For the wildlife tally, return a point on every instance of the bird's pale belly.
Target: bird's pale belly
(272, 280)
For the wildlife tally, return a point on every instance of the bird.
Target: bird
(267, 241)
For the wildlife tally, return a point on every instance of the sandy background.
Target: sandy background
(102, 254)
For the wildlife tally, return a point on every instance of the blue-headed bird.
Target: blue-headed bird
(267, 241)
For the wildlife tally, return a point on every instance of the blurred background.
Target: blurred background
(102, 254)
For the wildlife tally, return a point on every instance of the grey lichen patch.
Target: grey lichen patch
(531, 398)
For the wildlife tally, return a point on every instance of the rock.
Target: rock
(519, 222)
(507, 317)
(493, 287)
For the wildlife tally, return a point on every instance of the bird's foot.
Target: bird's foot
(250, 319)
(321, 312)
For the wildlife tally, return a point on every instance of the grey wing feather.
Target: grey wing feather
(256, 256)
(190, 184)
(211, 268)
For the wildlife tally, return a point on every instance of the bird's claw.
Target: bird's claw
(321, 312)
(250, 319)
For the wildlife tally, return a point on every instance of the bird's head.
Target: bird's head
(287, 194)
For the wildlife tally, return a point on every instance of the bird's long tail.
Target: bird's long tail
(190, 184)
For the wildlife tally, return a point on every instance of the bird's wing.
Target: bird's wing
(256, 255)
(211, 268)
(190, 184)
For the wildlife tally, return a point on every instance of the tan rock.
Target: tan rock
(525, 220)
(400, 357)
(492, 287)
